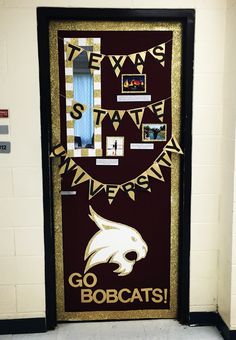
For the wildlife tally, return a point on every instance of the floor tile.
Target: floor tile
(123, 330)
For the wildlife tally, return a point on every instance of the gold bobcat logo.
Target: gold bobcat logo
(112, 243)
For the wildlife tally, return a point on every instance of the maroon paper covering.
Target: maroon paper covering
(150, 212)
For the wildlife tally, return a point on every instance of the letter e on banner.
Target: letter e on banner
(158, 108)
(111, 190)
(94, 60)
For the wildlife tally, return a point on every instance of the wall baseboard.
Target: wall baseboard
(203, 319)
(38, 325)
(211, 319)
(19, 326)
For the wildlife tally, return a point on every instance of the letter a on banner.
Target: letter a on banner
(117, 62)
(139, 60)
(129, 188)
(158, 52)
(116, 117)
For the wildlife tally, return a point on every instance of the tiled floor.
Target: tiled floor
(123, 330)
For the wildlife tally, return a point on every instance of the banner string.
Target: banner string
(109, 55)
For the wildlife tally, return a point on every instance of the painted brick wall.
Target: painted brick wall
(21, 227)
(21, 224)
(227, 244)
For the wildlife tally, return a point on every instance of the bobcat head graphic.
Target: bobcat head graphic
(112, 243)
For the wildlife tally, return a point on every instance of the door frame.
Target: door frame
(187, 17)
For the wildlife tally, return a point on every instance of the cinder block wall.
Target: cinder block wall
(227, 235)
(21, 225)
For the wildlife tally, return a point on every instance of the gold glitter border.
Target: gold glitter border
(176, 28)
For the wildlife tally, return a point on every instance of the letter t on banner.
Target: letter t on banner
(73, 51)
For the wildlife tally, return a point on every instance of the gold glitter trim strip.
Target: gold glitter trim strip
(70, 95)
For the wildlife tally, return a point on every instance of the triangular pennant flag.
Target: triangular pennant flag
(164, 159)
(173, 146)
(129, 188)
(94, 187)
(137, 115)
(139, 60)
(142, 181)
(73, 51)
(80, 177)
(94, 60)
(155, 172)
(77, 109)
(67, 165)
(112, 190)
(117, 62)
(58, 151)
(116, 117)
(99, 115)
(158, 108)
(158, 52)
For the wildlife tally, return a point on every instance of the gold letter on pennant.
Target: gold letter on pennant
(94, 188)
(111, 190)
(164, 159)
(77, 110)
(67, 165)
(80, 177)
(99, 114)
(129, 188)
(155, 172)
(73, 51)
(116, 117)
(139, 60)
(173, 146)
(58, 151)
(158, 53)
(137, 115)
(158, 108)
(117, 62)
(95, 60)
(143, 182)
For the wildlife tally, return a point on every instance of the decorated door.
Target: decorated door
(116, 153)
